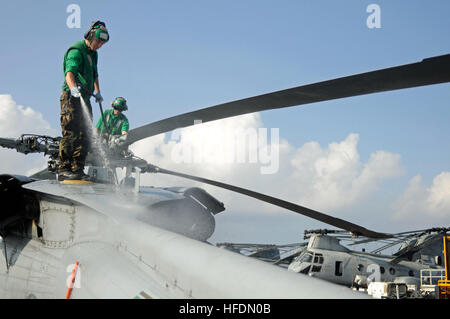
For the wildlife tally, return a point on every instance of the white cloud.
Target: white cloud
(328, 178)
(333, 178)
(438, 200)
(210, 150)
(16, 120)
(425, 206)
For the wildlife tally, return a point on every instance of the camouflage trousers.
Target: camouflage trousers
(76, 127)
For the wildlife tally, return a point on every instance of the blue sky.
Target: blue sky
(171, 57)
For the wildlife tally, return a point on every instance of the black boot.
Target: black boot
(68, 175)
(82, 176)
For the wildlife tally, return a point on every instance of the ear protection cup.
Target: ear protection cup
(100, 31)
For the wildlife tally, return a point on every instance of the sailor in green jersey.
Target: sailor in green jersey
(116, 121)
(80, 81)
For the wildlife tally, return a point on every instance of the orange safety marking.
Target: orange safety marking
(447, 257)
(72, 280)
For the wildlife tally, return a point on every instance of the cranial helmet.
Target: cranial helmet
(97, 30)
(119, 104)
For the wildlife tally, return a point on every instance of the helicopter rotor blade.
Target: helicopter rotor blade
(337, 222)
(403, 236)
(407, 252)
(8, 143)
(429, 71)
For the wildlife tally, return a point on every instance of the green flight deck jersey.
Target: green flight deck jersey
(82, 62)
(116, 123)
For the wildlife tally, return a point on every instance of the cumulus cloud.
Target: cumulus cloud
(327, 178)
(425, 206)
(232, 150)
(334, 177)
(16, 120)
(241, 151)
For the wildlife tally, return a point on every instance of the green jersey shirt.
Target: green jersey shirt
(82, 62)
(116, 123)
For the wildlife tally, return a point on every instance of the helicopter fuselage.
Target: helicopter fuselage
(325, 258)
(116, 238)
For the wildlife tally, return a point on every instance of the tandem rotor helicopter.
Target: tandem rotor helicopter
(122, 240)
(323, 256)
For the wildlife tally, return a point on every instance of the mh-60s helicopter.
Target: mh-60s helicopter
(124, 240)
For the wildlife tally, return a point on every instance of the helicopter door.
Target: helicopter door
(302, 263)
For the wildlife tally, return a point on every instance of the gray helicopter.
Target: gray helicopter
(324, 256)
(117, 239)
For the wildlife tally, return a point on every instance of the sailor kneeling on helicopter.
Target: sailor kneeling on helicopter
(116, 121)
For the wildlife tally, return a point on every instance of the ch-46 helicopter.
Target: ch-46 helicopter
(323, 256)
(122, 240)
(326, 258)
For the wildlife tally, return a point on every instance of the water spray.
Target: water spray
(88, 123)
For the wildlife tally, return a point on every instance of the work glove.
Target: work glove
(75, 92)
(118, 140)
(98, 97)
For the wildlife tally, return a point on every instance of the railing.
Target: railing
(431, 277)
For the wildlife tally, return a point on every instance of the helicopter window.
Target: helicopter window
(392, 271)
(318, 259)
(360, 267)
(307, 258)
(316, 268)
(382, 270)
(411, 273)
(338, 268)
(306, 270)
